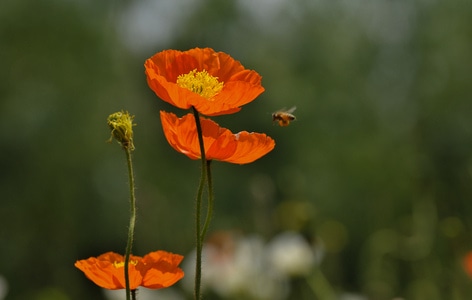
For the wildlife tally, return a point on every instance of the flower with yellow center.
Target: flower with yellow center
(212, 82)
(156, 270)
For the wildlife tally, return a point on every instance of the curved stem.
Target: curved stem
(198, 209)
(210, 200)
(132, 221)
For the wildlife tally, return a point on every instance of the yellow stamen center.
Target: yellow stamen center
(121, 264)
(200, 83)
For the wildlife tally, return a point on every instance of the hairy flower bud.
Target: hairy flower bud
(121, 125)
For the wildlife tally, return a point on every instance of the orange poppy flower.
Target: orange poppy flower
(155, 270)
(220, 143)
(212, 82)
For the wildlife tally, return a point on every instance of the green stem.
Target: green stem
(198, 209)
(132, 221)
(210, 199)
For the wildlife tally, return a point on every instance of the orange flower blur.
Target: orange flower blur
(220, 143)
(468, 263)
(212, 82)
(155, 270)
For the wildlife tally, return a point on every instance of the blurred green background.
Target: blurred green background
(377, 166)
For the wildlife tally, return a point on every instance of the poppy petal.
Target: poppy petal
(162, 269)
(251, 147)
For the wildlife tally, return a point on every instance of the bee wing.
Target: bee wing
(279, 110)
(291, 110)
(285, 110)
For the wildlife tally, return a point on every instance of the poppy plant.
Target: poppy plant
(156, 270)
(212, 82)
(220, 143)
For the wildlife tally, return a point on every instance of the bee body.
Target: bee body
(284, 117)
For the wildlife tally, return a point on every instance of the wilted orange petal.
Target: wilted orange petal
(220, 143)
(240, 87)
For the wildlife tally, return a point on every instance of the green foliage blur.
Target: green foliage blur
(378, 165)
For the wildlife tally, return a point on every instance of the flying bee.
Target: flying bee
(284, 117)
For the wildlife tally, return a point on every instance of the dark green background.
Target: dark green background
(380, 153)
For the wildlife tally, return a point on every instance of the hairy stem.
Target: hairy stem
(132, 221)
